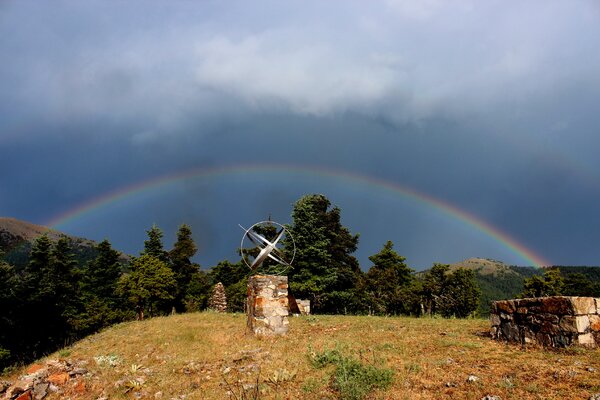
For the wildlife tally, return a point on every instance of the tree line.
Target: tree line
(56, 300)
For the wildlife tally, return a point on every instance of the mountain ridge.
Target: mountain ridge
(17, 238)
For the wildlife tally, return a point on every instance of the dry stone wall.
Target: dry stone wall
(557, 321)
(268, 306)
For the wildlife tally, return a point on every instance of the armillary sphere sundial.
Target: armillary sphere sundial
(268, 237)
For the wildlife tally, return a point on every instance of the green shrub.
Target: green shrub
(352, 379)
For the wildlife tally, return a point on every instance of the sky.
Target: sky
(455, 129)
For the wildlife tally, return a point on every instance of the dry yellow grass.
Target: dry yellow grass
(197, 354)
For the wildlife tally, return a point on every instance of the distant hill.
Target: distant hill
(497, 280)
(17, 237)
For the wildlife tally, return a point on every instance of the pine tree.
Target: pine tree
(218, 299)
(183, 250)
(154, 245)
(389, 281)
(324, 269)
(102, 304)
(62, 281)
(102, 274)
(7, 307)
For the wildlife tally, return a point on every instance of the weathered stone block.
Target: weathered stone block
(494, 319)
(583, 323)
(568, 324)
(510, 332)
(507, 306)
(586, 339)
(557, 305)
(544, 339)
(595, 323)
(506, 317)
(583, 305)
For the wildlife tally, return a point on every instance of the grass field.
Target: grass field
(209, 356)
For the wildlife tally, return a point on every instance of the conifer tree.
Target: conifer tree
(7, 307)
(103, 306)
(62, 282)
(102, 273)
(153, 246)
(324, 269)
(389, 281)
(183, 268)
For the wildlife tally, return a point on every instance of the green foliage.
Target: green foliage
(324, 269)
(228, 273)
(7, 303)
(389, 283)
(237, 294)
(352, 379)
(578, 284)
(154, 246)
(48, 296)
(197, 292)
(103, 306)
(149, 285)
(550, 284)
(432, 286)
(499, 286)
(460, 294)
(450, 294)
(183, 268)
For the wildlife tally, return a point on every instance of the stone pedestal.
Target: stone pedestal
(268, 307)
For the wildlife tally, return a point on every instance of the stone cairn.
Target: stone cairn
(268, 306)
(557, 321)
(218, 299)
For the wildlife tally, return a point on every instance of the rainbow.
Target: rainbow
(446, 208)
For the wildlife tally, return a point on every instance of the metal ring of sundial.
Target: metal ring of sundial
(268, 246)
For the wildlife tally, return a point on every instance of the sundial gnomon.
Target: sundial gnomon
(264, 241)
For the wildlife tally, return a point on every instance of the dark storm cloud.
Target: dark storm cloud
(488, 106)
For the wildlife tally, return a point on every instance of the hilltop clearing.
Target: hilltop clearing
(208, 356)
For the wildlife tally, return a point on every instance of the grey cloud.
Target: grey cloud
(406, 61)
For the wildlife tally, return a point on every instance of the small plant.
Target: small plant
(311, 385)
(64, 353)
(413, 368)
(132, 384)
(135, 368)
(110, 360)
(352, 379)
(281, 376)
(237, 389)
